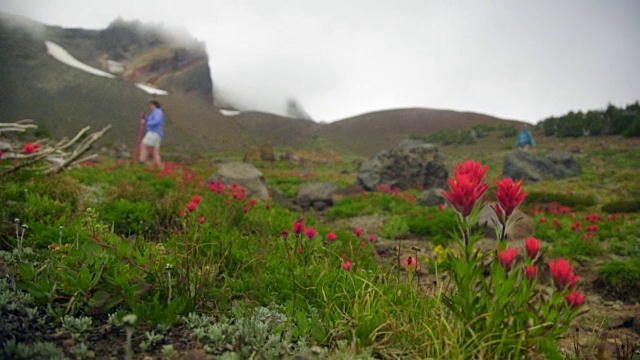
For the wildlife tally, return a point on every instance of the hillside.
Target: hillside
(62, 99)
(379, 130)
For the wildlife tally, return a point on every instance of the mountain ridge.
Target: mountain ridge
(64, 99)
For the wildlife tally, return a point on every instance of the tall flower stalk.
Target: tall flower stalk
(495, 292)
(509, 195)
(465, 189)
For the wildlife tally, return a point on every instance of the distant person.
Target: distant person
(525, 138)
(154, 133)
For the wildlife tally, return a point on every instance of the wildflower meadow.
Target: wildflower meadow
(113, 260)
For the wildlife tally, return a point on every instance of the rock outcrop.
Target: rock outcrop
(531, 167)
(411, 163)
(521, 225)
(245, 175)
(317, 195)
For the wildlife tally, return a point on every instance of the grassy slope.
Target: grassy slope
(383, 129)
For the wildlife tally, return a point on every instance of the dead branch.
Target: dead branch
(55, 156)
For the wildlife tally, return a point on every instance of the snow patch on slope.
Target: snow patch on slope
(226, 112)
(151, 90)
(60, 54)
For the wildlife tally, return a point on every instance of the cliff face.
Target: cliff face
(36, 83)
(168, 59)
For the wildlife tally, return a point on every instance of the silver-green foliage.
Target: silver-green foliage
(151, 340)
(12, 299)
(35, 351)
(256, 331)
(76, 326)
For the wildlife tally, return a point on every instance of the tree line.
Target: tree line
(610, 121)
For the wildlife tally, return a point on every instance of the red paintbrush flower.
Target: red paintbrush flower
(509, 195)
(531, 272)
(562, 274)
(507, 258)
(533, 247)
(298, 227)
(464, 192)
(575, 299)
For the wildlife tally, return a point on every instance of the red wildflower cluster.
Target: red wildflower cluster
(531, 272)
(332, 236)
(347, 265)
(575, 299)
(181, 175)
(563, 274)
(593, 218)
(553, 208)
(358, 232)
(533, 247)
(311, 232)
(234, 190)
(509, 195)
(30, 148)
(298, 227)
(577, 226)
(193, 204)
(467, 186)
(395, 191)
(507, 258)
(473, 169)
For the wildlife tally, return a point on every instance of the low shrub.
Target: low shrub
(622, 277)
(452, 137)
(575, 201)
(622, 206)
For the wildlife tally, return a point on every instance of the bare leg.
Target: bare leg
(156, 156)
(143, 152)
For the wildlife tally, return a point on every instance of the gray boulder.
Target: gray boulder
(431, 197)
(411, 163)
(520, 226)
(531, 167)
(246, 175)
(317, 195)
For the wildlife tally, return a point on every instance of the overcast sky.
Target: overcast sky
(523, 60)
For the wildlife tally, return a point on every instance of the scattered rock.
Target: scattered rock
(342, 193)
(253, 154)
(266, 152)
(263, 152)
(431, 197)
(531, 167)
(411, 163)
(370, 224)
(316, 195)
(245, 175)
(522, 226)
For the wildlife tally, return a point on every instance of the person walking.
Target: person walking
(154, 132)
(525, 138)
